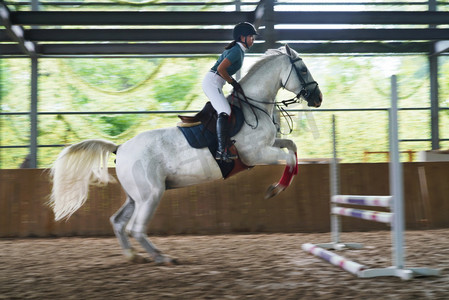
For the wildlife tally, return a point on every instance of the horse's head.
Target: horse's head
(299, 80)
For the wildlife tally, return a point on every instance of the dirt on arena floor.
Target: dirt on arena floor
(263, 266)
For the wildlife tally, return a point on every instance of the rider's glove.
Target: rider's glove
(237, 87)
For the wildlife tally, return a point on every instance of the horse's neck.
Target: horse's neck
(263, 84)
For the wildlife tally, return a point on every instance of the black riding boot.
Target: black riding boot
(222, 135)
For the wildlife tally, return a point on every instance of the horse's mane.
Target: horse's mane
(268, 55)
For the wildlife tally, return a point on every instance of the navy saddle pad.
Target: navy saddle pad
(201, 137)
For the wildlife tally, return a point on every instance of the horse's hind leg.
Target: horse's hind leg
(138, 225)
(119, 221)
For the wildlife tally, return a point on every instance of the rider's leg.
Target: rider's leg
(212, 87)
(223, 136)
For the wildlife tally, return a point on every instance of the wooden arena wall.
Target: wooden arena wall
(235, 205)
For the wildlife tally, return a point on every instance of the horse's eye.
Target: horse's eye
(304, 70)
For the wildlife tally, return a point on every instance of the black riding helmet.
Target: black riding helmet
(243, 28)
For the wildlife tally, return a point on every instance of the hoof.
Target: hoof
(132, 256)
(139, 259)
(165, 260)
(274, 190)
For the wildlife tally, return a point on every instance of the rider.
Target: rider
(229, 62)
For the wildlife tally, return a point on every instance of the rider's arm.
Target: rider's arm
(222, 70)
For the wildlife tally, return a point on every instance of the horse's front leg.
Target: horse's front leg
(285, 143)
(290, 170)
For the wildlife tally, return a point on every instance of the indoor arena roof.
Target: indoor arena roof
(43, 33)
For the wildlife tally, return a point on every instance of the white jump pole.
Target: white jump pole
(334, 185)
(396, 182)
(397, 191)
(335, 190)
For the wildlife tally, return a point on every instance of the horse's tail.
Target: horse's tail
(77, 167)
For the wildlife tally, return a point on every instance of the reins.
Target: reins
(252, 106)
(297, 99)
(281, 109)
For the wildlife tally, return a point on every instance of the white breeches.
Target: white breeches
(213, 88)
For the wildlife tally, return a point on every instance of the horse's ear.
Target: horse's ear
(288, 50)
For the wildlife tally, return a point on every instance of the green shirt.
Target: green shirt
(235, 55)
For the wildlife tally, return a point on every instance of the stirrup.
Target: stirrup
(225, 156)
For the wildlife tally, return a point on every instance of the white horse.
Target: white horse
(161, 159)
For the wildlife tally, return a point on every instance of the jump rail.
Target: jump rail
(377, 216)
(395, 218)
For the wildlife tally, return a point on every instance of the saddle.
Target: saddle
(204, 116)
(208, 117)
(200, 131)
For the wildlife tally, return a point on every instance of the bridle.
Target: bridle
(297, 99)
(303, 92)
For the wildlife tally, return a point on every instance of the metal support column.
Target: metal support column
(238, 5)
(33, 113)
(434, 101)
(269, 35)
(1, 118)
(34, 100)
